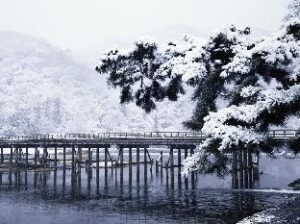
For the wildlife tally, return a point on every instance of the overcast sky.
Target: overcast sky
(80, 24)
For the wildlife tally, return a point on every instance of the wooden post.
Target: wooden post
(26, 157)
(250, 169)
(97, 171)
(89, 159)
(2, 156)
(172, 166)
(145, 166)
(55, 157)
(245, 165)
(256, 169)
(179, 157)
(130, 156)
(235, 183)
(105, 165)
(79, 169)
(121, 166)
(192, 151)
(105, 159)
(185, 153)
(121, 156)
(11, 156)
(186, 180)
(16, 156)
(64, 158)
(161, 165)
(73, 159)
(45, 155)
(241, 175)
(79, 156)
(130, 168)
(171, 158)
(138, 165)
(35, 156)
(179, 168)
(137, 155)
(55, 179)
(64, 179)
(20, 154)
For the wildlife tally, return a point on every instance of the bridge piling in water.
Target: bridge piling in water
(26, 157)
(81, 147)
(2, 155)
(234, 170)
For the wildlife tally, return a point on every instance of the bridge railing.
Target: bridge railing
(284, 133)
(126, 135)
(279, 134)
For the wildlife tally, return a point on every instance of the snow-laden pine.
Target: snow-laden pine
(242, 86)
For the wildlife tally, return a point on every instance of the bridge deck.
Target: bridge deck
(130, 139)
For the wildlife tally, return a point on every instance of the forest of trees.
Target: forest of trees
(242, 86)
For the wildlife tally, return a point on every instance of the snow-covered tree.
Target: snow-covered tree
(149, 73)
(263, 90)
(135, 71)
(242, 87)
(219, 51)
(294, 9)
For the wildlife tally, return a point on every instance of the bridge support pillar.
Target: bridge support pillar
(16, 156)
(2, 155)
(234, 172)
(121, 165)
(179, 157)
(35, 156)
(246, 169)
(73, 159)
(130, 167)
(64, 158)
(20, 154)
(256, 168)
(89, 159)
(145, 165)
(97, 170)
(240, 169)
(45, 156)
(161, 159)
(11, 156)
(26, 157)
(55, 158)
(192, 151)
(138, 165)
(250, 169)
(172, 166)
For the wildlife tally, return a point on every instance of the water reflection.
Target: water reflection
(107, 194)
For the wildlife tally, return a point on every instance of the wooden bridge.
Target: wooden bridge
(109, 150)
(122, 138)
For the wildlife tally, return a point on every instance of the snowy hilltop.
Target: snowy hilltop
(45, 91)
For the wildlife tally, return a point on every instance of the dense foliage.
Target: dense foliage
(242, 86)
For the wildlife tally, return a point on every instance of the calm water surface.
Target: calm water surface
(128, 196)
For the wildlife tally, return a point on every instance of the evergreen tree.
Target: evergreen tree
(258, 80)
(264, 91)
(220, 50)
(138, 73)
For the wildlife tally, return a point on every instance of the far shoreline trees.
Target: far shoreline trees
(242, 86)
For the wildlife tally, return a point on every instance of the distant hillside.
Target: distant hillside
(43, 90)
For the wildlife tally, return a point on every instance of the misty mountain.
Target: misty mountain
(44, 90)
